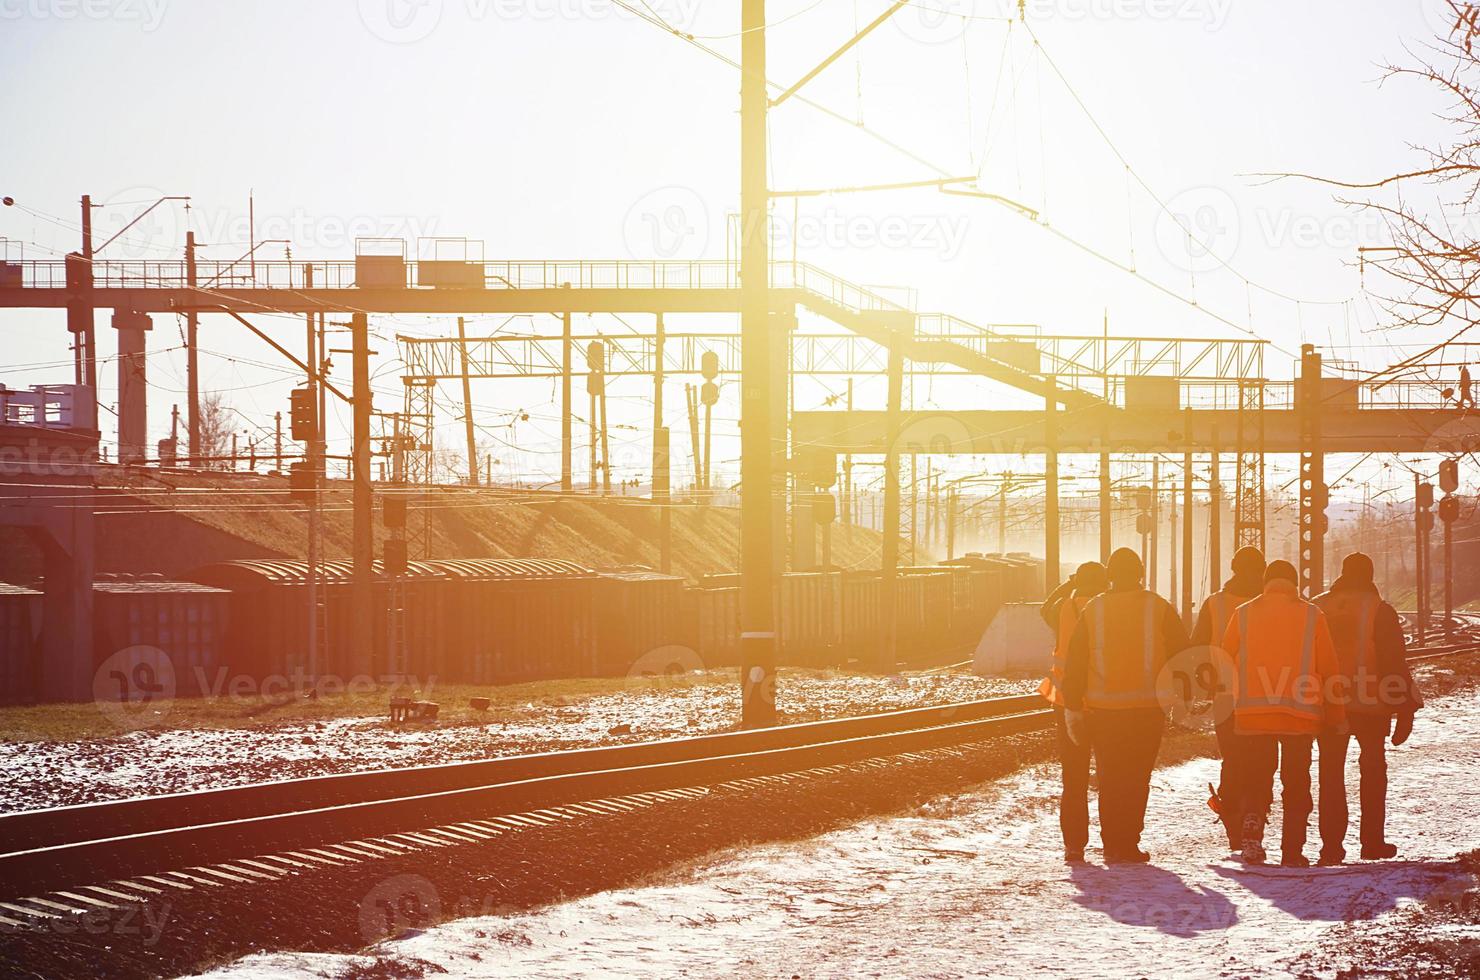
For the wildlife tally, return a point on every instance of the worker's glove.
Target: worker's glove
(1077, 727)
(1403, 729)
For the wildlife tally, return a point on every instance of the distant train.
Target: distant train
(498, 621)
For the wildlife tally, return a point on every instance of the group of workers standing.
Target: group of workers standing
(1282, 677)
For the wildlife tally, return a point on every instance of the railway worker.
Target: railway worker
(1283, 698)
(1378, 687)
(1123, 639)
(1246, 583)
(1466, 396)
(1061, 612)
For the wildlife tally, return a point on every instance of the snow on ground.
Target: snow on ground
(172, 760)
(973, 885)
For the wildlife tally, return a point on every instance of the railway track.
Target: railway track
(251, 830)
(73, 860)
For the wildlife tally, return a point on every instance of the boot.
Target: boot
(1379, 852)
(1253, 838)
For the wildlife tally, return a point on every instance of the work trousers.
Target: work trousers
(1371, 733)
(1074, 799)
(1230, 793)
(1125, 743)
(1290, 754)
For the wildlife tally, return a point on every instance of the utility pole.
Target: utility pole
(1423, 496)
(467, 393)
(277, 440)
(1051, 561)
(192, 363)
(1312, 482)
(565, 402)
(315, 451)
(847, 508)
(1155, 521)
(88, 338)
(1215, 518)
(914, 505)
(888, 652)
(661, 495)
(606, 448)
(1002, 516)
(658, 400)
(691, 395)
(757, 629)
(362, 595)
(1187, 509)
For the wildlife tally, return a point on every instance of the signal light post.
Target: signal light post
(1448, 513)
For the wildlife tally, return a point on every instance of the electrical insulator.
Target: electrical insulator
(709, 366)
(303, 413)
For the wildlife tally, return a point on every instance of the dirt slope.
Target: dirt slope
(170, 522)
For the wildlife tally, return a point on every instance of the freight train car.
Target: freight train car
(270, 620)
(516, 619)
(20, 626)
(638, 612)
(151, 633)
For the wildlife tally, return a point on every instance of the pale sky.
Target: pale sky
(572, 129)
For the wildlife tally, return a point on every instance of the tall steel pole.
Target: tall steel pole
(192, 364)
(467, 393)
(362, 595)
(757, 623)
(565, 396)
(1051, 562)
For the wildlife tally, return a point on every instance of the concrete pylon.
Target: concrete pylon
(133, 388)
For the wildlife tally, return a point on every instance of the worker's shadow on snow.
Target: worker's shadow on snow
(1343, 894)
(1145, 895)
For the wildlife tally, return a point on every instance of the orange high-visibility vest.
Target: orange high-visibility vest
(1127, 648)
(1219, 608)
(1352, 617)
(1052, 687)
(1284, 659)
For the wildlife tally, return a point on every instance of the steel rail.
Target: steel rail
(87, 821)
(49, 868)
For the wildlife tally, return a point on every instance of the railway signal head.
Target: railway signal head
(303, 414)
(824, 508)
(393, 556)
(303, 484)
(1143, 523)
(1449, 509)
(1143, 499)
(709, 366)
(1449, 475)
(709, 393)
(393, 510)
(1425, 496)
